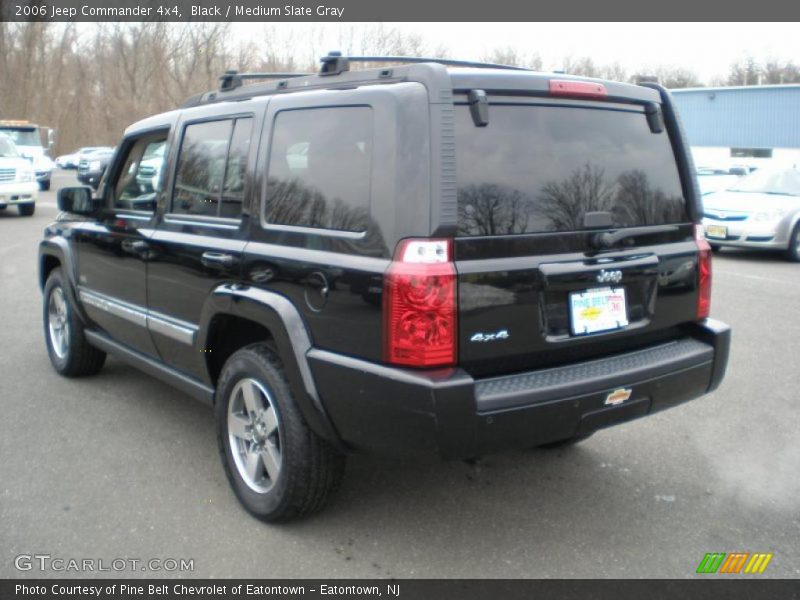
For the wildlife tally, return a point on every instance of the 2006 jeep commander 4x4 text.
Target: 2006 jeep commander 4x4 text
(424, 258)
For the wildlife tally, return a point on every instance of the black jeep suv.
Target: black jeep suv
(425, 258)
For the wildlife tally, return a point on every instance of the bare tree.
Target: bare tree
(746, 72)
(564, 203)
(508, 55)
(670, 77)
(777, 72)
(492, 209)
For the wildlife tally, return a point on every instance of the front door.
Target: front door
(113, 249)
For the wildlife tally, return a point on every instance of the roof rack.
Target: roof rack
(232, 79)
(232, 86)
(335, 63)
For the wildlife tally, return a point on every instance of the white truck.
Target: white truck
(28, 139)
(18, 185)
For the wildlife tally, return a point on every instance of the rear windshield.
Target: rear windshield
(540, 168)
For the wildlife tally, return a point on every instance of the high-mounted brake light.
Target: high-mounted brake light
(420, 320)
(579, 89)
(703, 274)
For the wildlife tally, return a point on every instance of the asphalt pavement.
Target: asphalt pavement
(121, 466)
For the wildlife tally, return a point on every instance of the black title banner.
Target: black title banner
(394, 10)
(584, 589)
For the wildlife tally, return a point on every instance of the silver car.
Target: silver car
(761, 210)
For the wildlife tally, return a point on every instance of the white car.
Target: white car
(761, 210)
(713, 179)
(150, 169)
(72, 160)
(18, 186)
(68, 161)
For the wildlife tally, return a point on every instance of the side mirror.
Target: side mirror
(76, 200)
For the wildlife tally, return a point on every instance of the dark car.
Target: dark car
(412, 260)
(93, 165)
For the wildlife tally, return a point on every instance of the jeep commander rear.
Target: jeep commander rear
(422, 258)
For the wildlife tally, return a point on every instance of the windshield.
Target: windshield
(541, 168)
(22, 136)
(7, 147)
(784, 182)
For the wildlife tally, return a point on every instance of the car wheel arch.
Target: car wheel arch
(282, 326)
(56, 253)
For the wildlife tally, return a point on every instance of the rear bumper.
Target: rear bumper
(400, 412)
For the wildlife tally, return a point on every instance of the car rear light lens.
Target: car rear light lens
(580, 89)
(419, 305)
(703, 274)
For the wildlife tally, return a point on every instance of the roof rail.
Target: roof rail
(232, 86)
(233, 79)
(335, 63)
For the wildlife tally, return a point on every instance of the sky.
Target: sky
(708, 49)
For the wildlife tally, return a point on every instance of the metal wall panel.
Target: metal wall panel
(751, 117)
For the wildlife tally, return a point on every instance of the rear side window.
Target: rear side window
(319, 168)
(211, 168)
(537, 168)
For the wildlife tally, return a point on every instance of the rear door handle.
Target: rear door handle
(217, 259)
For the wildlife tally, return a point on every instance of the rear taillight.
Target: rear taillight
(419, 305)
(703, 274)
(579, 89)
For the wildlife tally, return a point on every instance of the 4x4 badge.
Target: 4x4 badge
(490, 337)
(618, 396)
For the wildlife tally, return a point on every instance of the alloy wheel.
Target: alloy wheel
(254, 435)
(58, 322)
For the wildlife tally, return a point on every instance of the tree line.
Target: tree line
(89, 81)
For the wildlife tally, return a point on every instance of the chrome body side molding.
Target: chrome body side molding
(156, 322)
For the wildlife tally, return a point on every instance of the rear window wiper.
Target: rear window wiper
(609, 239)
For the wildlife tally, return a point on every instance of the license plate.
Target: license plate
(601, 309)
(716, 231)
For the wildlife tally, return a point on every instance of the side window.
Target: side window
(236, 169)
(139, 179)
(320, 168)
(211, 168)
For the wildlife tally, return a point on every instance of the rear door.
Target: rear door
(574, 236)
(202, 230)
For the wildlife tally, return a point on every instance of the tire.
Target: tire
(26, 210)
(44, 185)
(793, 251)
(305, 469)
(567, 442)
(70, 353)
